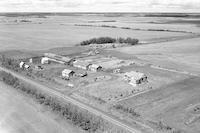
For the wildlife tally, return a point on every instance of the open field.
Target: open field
(58, 31)
(179, 55)
(170, 104)
(20, 114)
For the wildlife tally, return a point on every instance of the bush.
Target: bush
(9, 63)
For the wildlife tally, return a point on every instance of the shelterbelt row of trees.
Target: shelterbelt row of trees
(104, 40)
(9, 63)
(79, 117)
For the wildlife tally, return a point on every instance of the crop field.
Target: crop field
(179, 55)
(19, 114)
(170, 104)
(54, 32)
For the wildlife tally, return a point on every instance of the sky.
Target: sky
(99, 5)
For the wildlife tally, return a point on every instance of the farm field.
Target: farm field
(179, 55)
(20, 114)
(58, 31)
(171, 104)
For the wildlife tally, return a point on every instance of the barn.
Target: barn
(81, 64)
(95, 68)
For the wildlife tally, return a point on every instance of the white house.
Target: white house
(45, 60)
(95, 68)
(21, 64)
(66, 73)
(135, 78)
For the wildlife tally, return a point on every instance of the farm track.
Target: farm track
(90, 109)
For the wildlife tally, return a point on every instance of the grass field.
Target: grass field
(20, 114)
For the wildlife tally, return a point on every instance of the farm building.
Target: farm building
(95, 68)
(58, 58)
(135, 78)
(21, 64)
(81, 64)
(35, 60)
(66, 73)
(39, 68)
(117, 71)
(27, 67)
(45, 60)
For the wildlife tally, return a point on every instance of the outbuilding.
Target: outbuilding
(45, 60)
(81, 64)
(95, 68)
(21, 64)
(135, 78)
(27, 67)
(66, 73)
(34, 60)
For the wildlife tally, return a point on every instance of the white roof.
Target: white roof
(22, 63)
(81, 63)
(67, 71)
(135, 75)
(95, 66)
(45, 58)
(58, 57)
(26, 66)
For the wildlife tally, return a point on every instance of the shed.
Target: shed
(66, 73)
(95, 68)
(81, 64)
(21, 64)
(135, 78)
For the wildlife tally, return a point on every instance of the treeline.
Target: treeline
(9, 63)
(104, 40)
(126, 110)
(77, 116)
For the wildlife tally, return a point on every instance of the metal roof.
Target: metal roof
(67, 71)
(58, 57)
(81, 63)
(135, 75)
(95, 66)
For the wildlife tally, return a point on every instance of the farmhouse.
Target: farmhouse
(81, 64)
(66, 73)
(95, 68)
(135, 78)
(21, 64)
